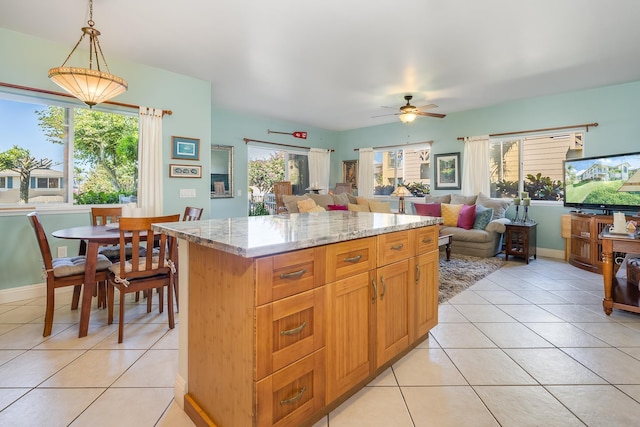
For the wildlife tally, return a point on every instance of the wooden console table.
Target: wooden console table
(618, 293)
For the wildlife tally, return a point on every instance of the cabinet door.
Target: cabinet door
(349, 306)
(394, 310)
(426, 292)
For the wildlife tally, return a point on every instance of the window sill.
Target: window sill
(47, 209)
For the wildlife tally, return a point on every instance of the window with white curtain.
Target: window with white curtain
(532, 164)
(54, 152)
(268, 165)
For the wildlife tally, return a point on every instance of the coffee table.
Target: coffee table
(446, 239)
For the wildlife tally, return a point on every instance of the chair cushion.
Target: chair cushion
(337, 208)
(323, 200)
(341, 199)
(467, 216)
(63, 267)
(450, 214)
(427, 209)
(499, 205)
(379, 207)
(457, 199)
(142, 264)
(358, 208)
(306, 205)
(291, 202)
(430, 198)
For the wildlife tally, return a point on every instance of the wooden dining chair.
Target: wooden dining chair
(153, 270)
(62, 272)
(280, 189)
(192, 214)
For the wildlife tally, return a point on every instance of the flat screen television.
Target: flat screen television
(610, 183)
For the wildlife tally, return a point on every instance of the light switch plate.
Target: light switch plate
(187, 193)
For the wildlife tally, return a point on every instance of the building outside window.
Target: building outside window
(406, 166)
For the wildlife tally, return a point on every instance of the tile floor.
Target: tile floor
(528, 345)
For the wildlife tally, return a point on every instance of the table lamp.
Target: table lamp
(402, 192)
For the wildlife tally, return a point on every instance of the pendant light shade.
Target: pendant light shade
(91, 86)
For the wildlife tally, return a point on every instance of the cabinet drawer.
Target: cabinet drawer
(349, 258)
(426, 239)
(287, 274)
(289, 329)
(394, 247)
(291, 395)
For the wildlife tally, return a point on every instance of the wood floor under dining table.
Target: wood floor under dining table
(94, 236)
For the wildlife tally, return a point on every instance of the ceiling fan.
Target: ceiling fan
(408, 112)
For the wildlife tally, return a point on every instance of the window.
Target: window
(55, 153)
(268, 165)
(532, 164)
(410, 167)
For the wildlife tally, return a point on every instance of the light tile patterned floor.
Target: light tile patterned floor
(528, 345)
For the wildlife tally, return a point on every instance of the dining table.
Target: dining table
(94, 236)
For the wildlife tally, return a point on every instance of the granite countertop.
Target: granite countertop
(267, 235)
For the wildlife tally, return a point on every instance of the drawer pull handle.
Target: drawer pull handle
(294, 331)
(353, 259)
(418, 272)
(429, 240)
(397, 247)
(384, 288)
(375, 291)
(295, 398)
(293, 275)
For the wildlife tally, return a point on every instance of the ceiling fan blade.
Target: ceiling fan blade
(382, 115)
(427, 107)
(439, 116)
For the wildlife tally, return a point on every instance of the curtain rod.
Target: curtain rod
(50, 92)
(248, 140)
(398, 145)
(586, 126)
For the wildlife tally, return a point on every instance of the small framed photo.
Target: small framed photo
(185, 171)
(185, 148)
(447, 171)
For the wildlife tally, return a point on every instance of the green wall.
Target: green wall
(26, 60)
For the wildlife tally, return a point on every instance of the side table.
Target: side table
(520, 240)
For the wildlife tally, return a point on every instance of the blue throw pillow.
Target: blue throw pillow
(483, 217)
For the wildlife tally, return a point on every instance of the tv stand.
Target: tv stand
(586, 245)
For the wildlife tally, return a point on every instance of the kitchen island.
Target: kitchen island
(284, 317)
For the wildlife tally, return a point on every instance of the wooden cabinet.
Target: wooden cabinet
(521, 241)
(274, 340)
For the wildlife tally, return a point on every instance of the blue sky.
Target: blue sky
(19, 126)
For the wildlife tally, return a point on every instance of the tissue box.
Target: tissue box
(633, 271)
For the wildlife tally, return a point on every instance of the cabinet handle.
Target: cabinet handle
(375, 291)
(397, 247)
(429, 240)
(384, 288)
(295, 398)
(353, 259)
(418, 272)
(293, 275)
(294, 331)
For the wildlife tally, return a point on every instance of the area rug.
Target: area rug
(463, 271)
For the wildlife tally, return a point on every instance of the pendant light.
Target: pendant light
(91, 86)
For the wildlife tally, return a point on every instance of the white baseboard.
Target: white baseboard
(28, 292)
(550, 253)
(179, 390)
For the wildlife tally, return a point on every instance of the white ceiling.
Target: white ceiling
(334, 63)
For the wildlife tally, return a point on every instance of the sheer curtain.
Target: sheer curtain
(475, 166)
(150, 161)
(319, 168)
(365, 173)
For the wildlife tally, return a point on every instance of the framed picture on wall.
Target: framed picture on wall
(185, 171)
(350, 172)
(447, 171)
(185, 148)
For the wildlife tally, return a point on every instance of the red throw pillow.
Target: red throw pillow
(427, 209)
(467, 217)
(336, 208)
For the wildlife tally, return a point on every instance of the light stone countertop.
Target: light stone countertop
(267, 235)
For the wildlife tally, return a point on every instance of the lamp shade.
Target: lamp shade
(407, 117)
(401, 191)
(90, 86)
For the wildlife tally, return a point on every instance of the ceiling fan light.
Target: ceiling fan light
(407, 117)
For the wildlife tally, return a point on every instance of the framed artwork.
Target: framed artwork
(185, 148)
(185, 171)
(350, 172)
(447, 171)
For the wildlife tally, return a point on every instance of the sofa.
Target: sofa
(328, 202)
(477, 223)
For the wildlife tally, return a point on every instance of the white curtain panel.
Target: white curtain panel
(150, 161)
(319, 168)
(475, 166)
(365, 173)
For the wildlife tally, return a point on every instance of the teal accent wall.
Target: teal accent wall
(26, 60)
